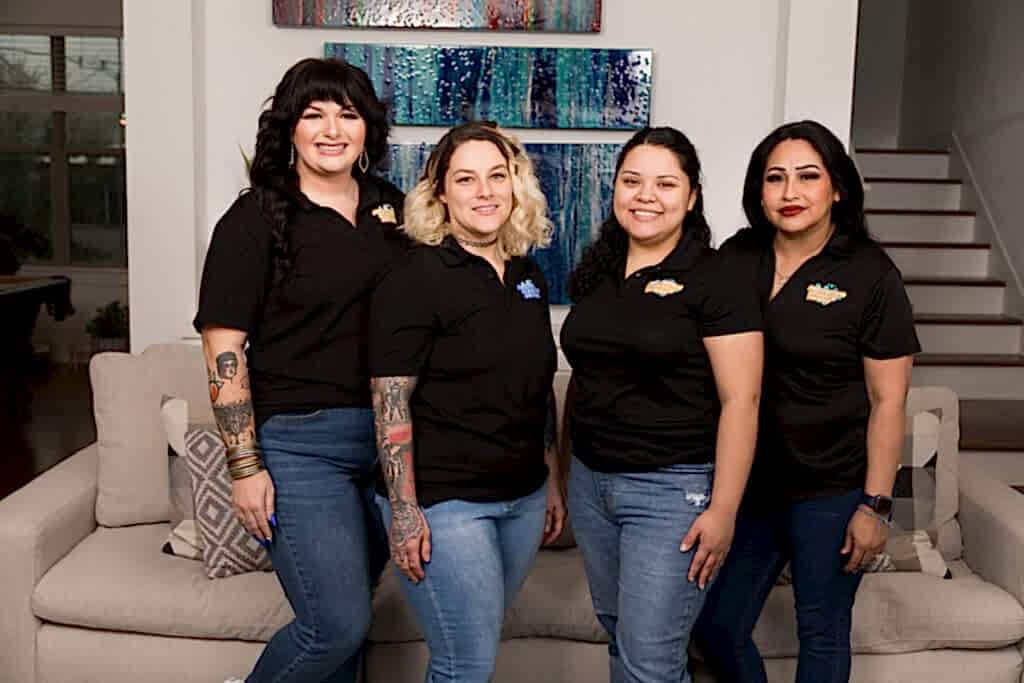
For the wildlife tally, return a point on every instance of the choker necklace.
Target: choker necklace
(473, 243)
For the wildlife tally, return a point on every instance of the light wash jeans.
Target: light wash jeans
(480, 556)
(329, 545)
(629, 526)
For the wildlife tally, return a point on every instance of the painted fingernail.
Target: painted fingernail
(273, 520)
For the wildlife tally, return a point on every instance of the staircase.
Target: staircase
(968, 341)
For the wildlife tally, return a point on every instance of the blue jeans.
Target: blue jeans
(809, 535)
(629, 526)
(480, 556)
(329, 545)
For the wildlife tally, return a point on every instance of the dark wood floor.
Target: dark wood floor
(57, 423)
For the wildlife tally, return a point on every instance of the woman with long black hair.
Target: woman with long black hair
(284, 317)
(665, 347)
(839, 345)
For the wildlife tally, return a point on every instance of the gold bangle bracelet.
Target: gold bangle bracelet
(242, 473)
(243, 448)
(243, 459)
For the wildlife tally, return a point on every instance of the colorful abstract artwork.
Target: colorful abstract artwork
(563, 16)
(519, 87)
(577, 180)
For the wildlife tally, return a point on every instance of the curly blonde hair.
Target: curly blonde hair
(528, 226)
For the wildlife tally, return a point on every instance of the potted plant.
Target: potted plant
(108, 329)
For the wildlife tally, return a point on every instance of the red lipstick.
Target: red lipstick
(791, 210)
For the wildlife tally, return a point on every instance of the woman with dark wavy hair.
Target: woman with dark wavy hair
(839, 345)
(665, 347)
(284, 317)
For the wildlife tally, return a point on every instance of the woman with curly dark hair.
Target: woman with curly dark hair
(284, 317)
(839, 346)
(665, 347)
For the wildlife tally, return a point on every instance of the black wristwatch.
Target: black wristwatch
(880, 505)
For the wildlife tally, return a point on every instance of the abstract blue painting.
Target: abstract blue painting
(565, 16)
(518, 87)
(577, 180)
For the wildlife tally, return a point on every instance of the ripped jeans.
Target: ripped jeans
(629, 526)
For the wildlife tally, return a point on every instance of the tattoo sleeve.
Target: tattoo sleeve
(393, 424)
(228, 378)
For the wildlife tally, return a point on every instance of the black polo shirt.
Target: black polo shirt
(846, 304)
(307, 336)
(645, 391)
(485, 358)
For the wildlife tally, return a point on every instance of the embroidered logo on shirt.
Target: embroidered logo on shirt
(824, 294)
(385, 213)
(663, 288)
(528, 290)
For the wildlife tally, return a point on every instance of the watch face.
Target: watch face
(883, 505)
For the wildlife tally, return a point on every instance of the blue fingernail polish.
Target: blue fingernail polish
(273, 520)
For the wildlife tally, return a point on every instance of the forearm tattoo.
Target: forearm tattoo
(393, 424)
(235, 421)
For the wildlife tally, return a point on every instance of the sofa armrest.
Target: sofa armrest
(39, 524)
(992, 522)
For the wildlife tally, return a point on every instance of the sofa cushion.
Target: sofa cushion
(554, 603)
(118, 580)
(907, 612)
(133, 486)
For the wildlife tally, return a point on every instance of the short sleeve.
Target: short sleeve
(232, 290)
(730, 303)
(402, 320)
(887, 328)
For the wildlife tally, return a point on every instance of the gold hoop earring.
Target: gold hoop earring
(364, 161)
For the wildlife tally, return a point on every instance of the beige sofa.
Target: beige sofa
(86, 595)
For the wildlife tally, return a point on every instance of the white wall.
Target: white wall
(965, 76)
(878, 87)
(721, 74)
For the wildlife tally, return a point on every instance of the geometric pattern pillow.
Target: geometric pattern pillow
(228, 548)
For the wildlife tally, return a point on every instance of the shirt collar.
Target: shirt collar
(684, 256)
(454, 254)
(369, 195)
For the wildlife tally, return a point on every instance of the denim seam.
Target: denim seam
(303, 654)
(443, 624)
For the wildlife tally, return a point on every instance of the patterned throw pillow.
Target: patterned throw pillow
(228, 548)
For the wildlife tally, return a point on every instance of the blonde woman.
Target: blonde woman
(462, 358)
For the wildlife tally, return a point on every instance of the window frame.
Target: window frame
(59, 104)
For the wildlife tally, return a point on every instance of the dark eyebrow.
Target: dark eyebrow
(498, 167)
(663, 175)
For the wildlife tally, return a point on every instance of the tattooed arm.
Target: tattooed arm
(409, 534)
(228, 376)
(554, 520)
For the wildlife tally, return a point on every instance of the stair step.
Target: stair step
(991, 425)
(972, 333)
(939, 259)
(966, 319)
(931, 295)
(974, 360)
(900, 225)
(898, 163)
(904, 193)
(973, 376)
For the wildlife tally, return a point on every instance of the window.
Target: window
(62, 175)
